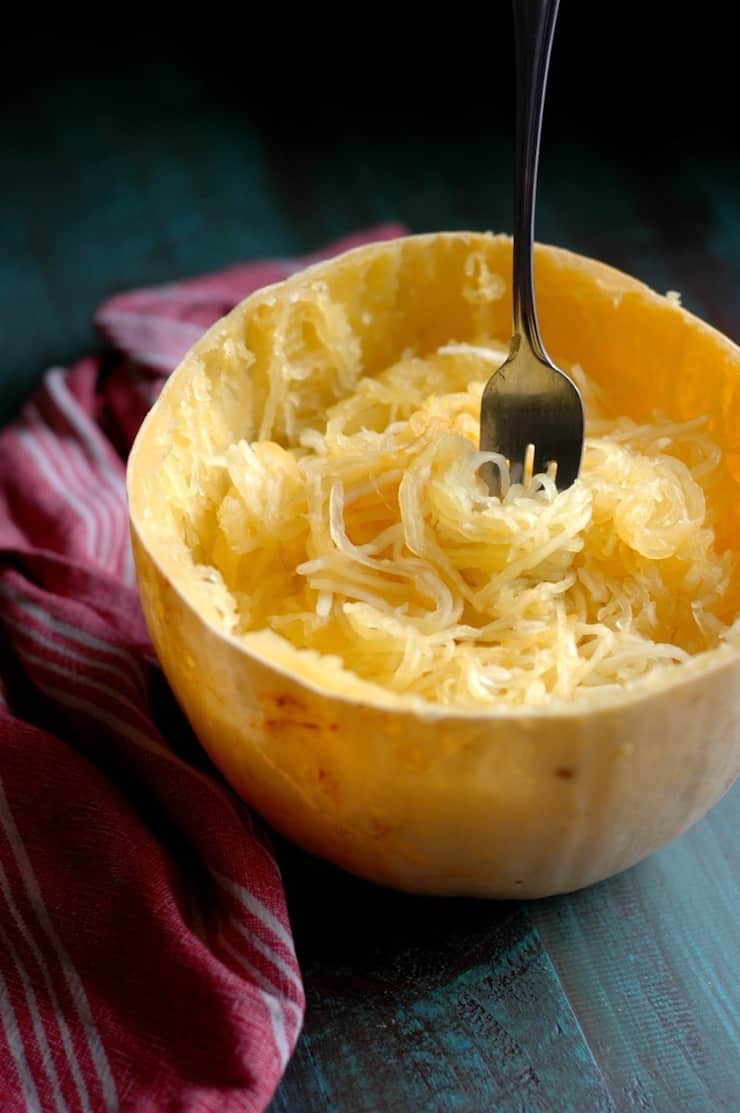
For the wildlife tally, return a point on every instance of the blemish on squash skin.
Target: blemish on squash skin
(289, 706)
(326, 787)
(274, 724)
(379, 828)
(289, 703)
(564, 773)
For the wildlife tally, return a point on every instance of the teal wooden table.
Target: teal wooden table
(623, 997)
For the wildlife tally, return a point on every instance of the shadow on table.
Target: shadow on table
(358, 926)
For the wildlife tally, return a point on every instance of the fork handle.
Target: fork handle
(534, 27)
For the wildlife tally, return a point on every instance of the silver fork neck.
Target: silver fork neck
(534, 27)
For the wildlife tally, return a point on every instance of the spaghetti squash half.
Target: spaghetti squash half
(439, 689)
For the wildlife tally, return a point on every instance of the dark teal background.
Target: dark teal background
(137, 161)
(140, 161)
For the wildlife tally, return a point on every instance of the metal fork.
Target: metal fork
(529, 401)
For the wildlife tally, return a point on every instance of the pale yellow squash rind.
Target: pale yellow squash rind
(426, 798)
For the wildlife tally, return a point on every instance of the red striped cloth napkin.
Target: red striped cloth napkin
(146, 957)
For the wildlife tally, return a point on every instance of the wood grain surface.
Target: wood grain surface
(624, 997)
